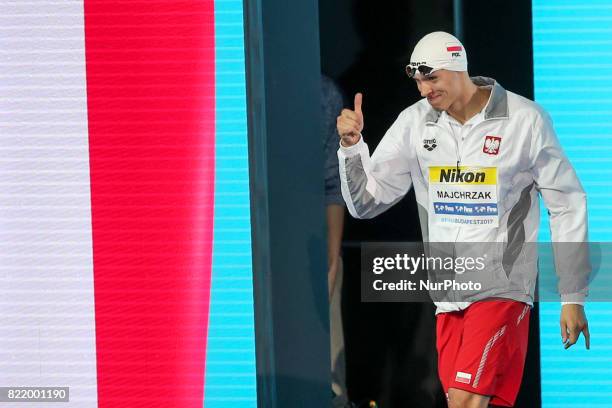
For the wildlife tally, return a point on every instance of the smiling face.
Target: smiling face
(441, 88)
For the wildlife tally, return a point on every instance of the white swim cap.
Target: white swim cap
(437, 50)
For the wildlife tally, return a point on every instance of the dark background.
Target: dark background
(365, 45)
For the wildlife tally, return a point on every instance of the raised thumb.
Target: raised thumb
(358, 101)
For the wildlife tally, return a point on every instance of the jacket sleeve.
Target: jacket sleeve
(371, 185)
(565, 200)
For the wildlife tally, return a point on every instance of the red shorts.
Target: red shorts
(482, 349)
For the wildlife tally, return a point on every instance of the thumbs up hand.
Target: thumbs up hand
(350, 123)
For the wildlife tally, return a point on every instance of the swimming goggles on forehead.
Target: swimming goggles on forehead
(422, 69)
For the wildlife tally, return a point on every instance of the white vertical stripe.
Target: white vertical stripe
(485, 353)
(523, 313)
(47, 330)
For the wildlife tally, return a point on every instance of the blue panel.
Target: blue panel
(572, 54)
(230, 358)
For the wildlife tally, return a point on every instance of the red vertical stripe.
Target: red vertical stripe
(150, 89)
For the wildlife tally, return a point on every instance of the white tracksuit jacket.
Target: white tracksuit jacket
(480, 188)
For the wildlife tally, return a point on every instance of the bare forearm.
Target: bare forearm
(335, 225)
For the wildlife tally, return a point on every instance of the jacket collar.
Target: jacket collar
(497, 107)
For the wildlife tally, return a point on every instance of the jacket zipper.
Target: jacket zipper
(458, 156)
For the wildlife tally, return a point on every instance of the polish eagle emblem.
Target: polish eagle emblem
(491, 145)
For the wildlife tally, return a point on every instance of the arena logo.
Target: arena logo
(429, 144)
